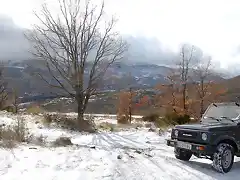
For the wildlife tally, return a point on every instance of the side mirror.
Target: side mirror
(238, 123)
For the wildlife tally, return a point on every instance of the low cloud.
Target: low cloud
(149, 50)
(13, 45)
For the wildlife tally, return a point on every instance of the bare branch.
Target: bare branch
(72, 40)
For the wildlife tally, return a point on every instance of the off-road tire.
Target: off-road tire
(182, 154)
(218, 158)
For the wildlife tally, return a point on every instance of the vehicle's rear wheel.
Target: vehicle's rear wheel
(182, 154)
(223, 158)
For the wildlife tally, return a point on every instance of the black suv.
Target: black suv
(216, 137)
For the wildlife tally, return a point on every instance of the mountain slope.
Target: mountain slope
(20, 74)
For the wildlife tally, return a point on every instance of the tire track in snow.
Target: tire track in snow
(133, 170)
(188, 170)
(158, 170)
(141, 167)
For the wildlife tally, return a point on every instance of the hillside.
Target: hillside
(141, 76)
(22, 75)
(107, 102)
(233, 88)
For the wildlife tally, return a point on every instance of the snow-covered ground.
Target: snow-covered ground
(129, 155)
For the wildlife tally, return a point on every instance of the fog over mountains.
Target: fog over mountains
(142, 50)
(14, 46)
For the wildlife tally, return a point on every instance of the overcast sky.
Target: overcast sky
(212, 25)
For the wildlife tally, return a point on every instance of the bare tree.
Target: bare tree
(202, 71)
(204, 86)
(3, 88)
(169, 92)
(186, 53)
(79, 41)
(16, 100)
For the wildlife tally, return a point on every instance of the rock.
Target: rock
(148, 142)
(40, 127)
(3, 125)
(131, 156)
(148, 125)
(37, 140)
(160, 132)
(119, 157)
(138, 151)
(32, 148)
(63, 141)
(149, 155)
(151, 129)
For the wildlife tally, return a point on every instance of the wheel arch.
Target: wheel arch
(230, 142)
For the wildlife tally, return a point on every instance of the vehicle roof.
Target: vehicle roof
(226, 103)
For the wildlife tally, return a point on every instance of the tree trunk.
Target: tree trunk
(202, 96)
(130, 114)
(201, 108)
(80, 113)
(80, 108)
(184, 97)
(130, 107)
(83, 125)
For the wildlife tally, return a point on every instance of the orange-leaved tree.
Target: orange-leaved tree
(175, 92)
(205, 94)
(206, 91)
(170, 95)
(125, 106)
(198, 97)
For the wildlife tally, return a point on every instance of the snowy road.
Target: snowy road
(77, 163)
(127, 155)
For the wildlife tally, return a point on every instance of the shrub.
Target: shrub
(183, 119)
(162, 123)
(107, 126)
(63, 121)
(148, 125)
(122, 120)
(153, 117)
(86, 126)
(11, 134)
(20, 130)
(47, 118)
(9, 109)
(7, 137)
(34, 110)
(167, 120)
(156, 119)
(174, 118)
